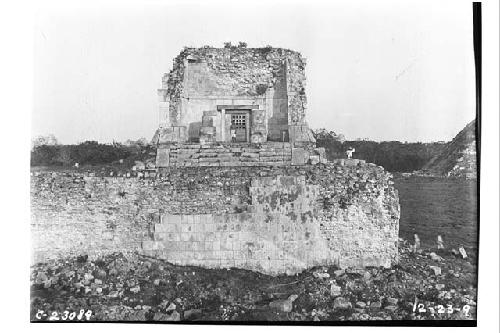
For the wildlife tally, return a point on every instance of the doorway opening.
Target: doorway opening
(239, 126)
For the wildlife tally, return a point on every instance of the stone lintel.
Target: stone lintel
(237, 107)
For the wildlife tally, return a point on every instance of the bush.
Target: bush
(86, 153)
(394, 156)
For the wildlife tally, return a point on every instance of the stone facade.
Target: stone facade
(270, 219)
(230, 154)
(260, 92)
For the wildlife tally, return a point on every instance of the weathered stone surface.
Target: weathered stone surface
(190, 314)
(266, 83)
(300, 156)
(300, 133)
(341, 303)
(259, 153)
(163, 157)
(436, 270)
(282, 305)
(269, 219)
(335, 290)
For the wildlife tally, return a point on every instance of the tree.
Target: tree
(44, 140)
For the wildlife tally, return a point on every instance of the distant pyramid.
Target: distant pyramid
(458, 158)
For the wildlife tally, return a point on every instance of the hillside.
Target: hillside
(458, 158)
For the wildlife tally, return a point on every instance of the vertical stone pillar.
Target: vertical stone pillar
(163, 156)
(223, 124)
(164, 107)
(258, 126)
(269, 106)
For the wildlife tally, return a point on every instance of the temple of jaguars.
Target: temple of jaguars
(239, 181)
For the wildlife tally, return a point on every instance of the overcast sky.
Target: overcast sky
(385, 72)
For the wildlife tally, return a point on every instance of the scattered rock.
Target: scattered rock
(174, 316)
(436, 270)
(392, 301)
(171, 307)
(355, 270)
(341, 303)
(282, 305)
(462, 252)
(361, 304)
(335, 290)
(101, 274)
(321, 275)
(435, 257)
(128, 284)
(339, 272)
(82, 259)
(391, 308)
(41, 277)
(191, 313)
(136, 316)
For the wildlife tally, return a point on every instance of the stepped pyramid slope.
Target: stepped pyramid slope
(458, 158)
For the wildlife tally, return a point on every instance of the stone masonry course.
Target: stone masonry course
(272, 219)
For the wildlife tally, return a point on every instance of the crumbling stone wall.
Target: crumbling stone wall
(202, 78)
(271, 219)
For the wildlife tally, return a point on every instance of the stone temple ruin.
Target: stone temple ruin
(248, 102)
(238, 182)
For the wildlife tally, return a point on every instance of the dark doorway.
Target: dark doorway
(239, 124)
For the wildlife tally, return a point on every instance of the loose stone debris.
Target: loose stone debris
(131, 287)
(440, 244)
(462, 252)
(416, 246)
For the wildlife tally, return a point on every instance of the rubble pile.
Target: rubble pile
(116, 287)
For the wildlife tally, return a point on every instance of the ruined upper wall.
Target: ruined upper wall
(272, 77)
